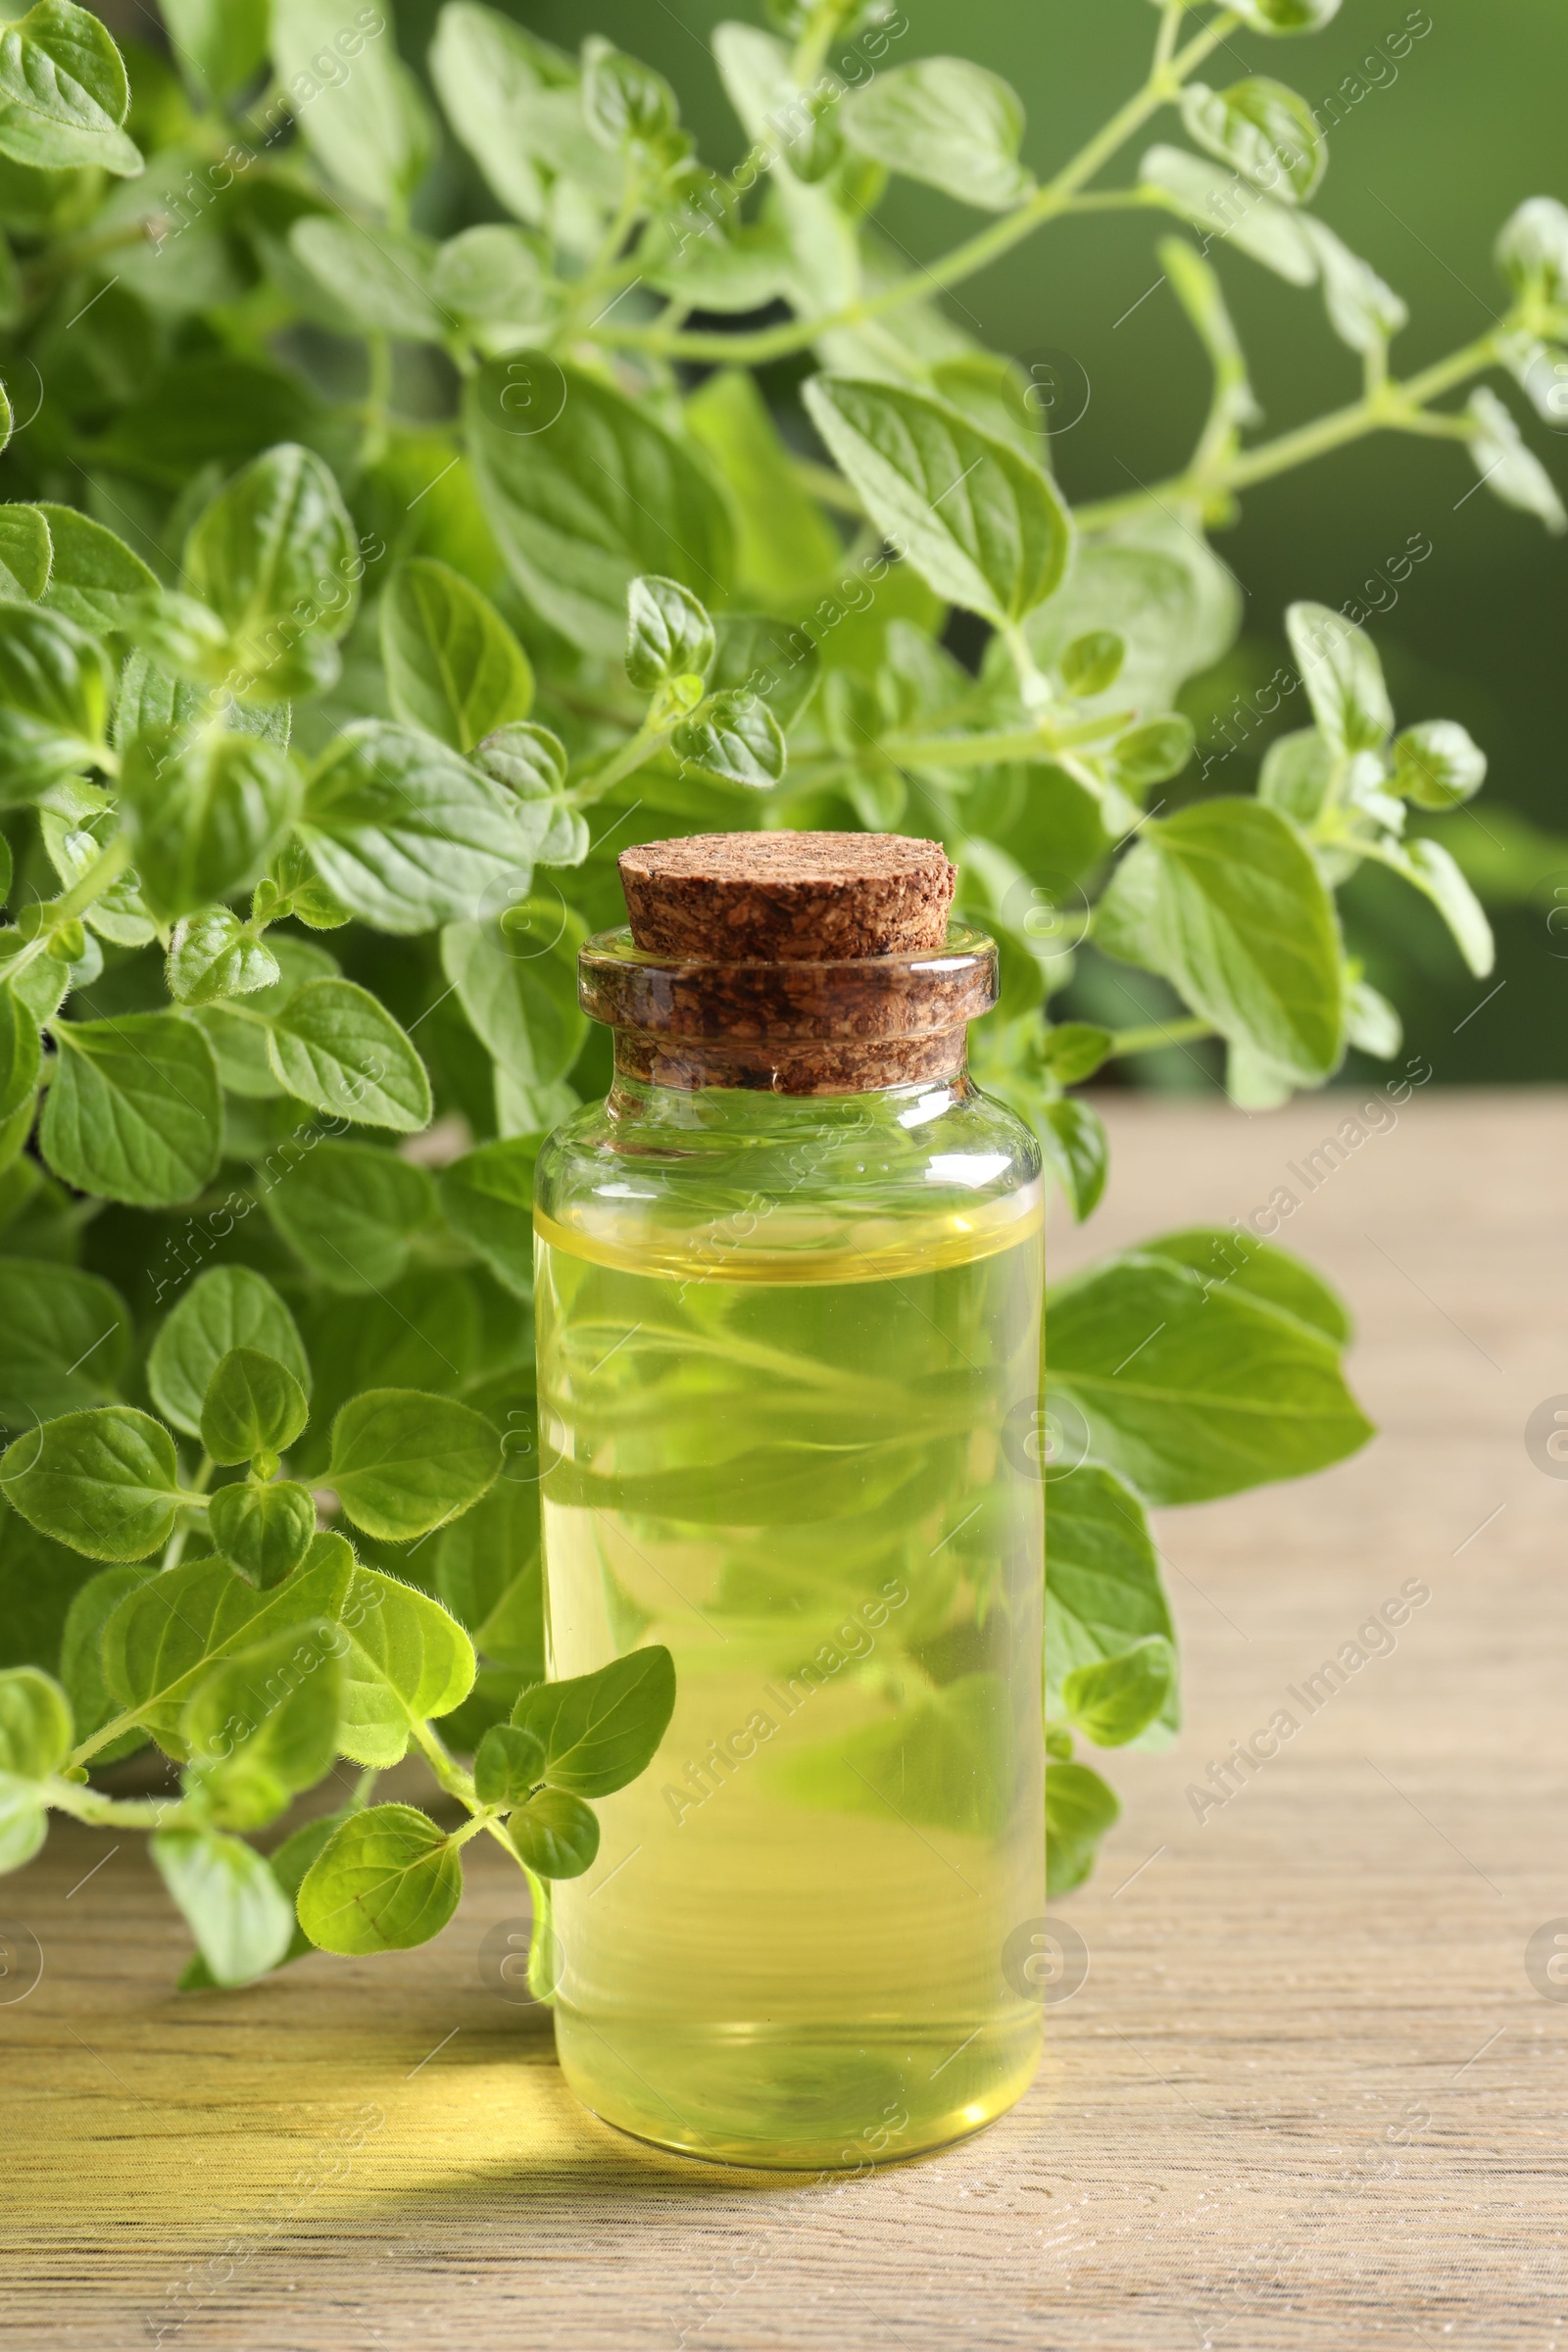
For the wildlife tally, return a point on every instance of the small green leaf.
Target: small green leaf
(226, 1307)
(263, 1532)
(262, 1725)
(1114, 1699)
(407, 1660)
(1075, 1050)
(1192, 1391)
(1297, 775)
(335, 1047)
(1103, 1587)
(669, 634)
(1264, 129)
(27, 550)
(214, 955)
(1510, 470)
(981, 524)
(94, 578)
(350, 1211)
(487, 1564)
(104, 1481)
(404, 832)
(507, 1765)
(1225, 900)
(1533, 248)
(517, 980)
(1092, 664)
(20, 1054)
(1287, 16)
(253, 1406)
(277, 558)
(402, 1463)
(386, 1881)
(1434, 872)
(758, 655)
(453, 667)
(360, 109)
(82, 1665)
(586, 490)
(219, 44)
(206, 813)
(235, 1907)
(1153, 753)
(945, 121)
(1223, 205)
(734, 736)
(36, 1724)
(67, 1341)
(379, 277)
(64, 93)
(601, 1730)
(493, 274)
(167, 1631)
(627, 106)
(1073, 1135)
(54, 701)
(1233, 1259)
(556, 1834)
(515, 103)
(1371, 1023)
(135, 1111)
(1079, 1811)
(1437, 765)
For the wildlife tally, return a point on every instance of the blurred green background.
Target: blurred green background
(1434, 152)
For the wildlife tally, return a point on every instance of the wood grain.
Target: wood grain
(1307, 2097)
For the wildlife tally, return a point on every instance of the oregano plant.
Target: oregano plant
(363, 590)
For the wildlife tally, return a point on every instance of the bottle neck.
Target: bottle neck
(815, 1067)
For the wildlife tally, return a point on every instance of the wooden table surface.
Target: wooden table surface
(1308, 2094)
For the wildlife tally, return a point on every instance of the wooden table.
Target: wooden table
(1308, 2094)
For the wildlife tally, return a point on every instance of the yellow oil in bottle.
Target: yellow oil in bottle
(799, 1470)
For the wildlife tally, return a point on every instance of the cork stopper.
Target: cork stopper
(780, 898)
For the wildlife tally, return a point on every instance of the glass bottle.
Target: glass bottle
(789, 1279)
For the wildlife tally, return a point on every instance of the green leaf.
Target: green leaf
(786, 546)
(206, 813)
(253, 1406)
(977, 521)
(1362, 311)
(1103, 1587)
(1225, 900)
(235, 1907)
(487, 1564)
(404, 832)
(94, 578)
(350, 1211)
(64, 93)
(585, 491)
(385, 1881)
(1153, 753)
(493, 274)
(1075, 1050)
(775, 659)
(165, 1634)
(453, 667)
(214, 955)
(1073, 1137)
(20, 1056)
(219, 44)
(263, 1532)
(403, 1462)
(1433, 872)
(1510, 470)
(1532, 249)
(1264, 129)
(516, 104)
(1233, 1259)
(1092, 664)
(82, 1666)
(380, 278)
(360, 109)
(1298, 773)
(1287, 16)
(530, 764)
(224, 1308)
(487, 1200)
(1226, 207)
(556, 1834)
(335, 1047)
(1437, 765)
(517, 980)
(1192, 1391)
(669, 634)
(54, 702)
(67, 1341)
(277, 558)
(36, 1724)
(947, 122)
(408, 1661)
(262, 1725)
(627, 106)
(601, 1730)
(26, 552)
(1197, 287)
(1371, 1023)
(1079, 1811)
(736, 737)
(507, 1765)
(1114, 1699)
(103, 1482)
(135, 1111)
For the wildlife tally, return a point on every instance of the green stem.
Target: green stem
(975, 252)
(108, 1812)
(99, 877)
(650, 739)
(815, 40)
(1157, 1034)
(450, 1773)
(125, 1722)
